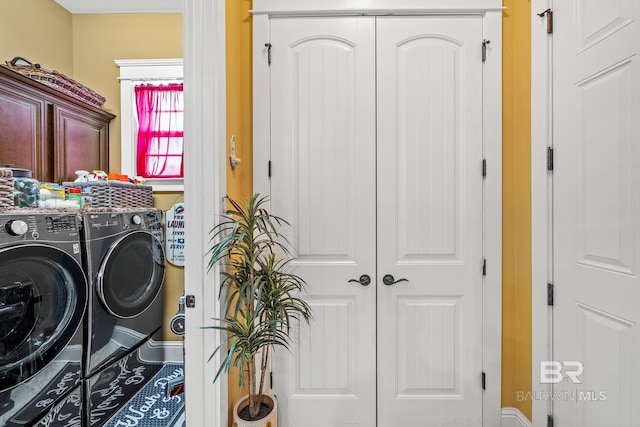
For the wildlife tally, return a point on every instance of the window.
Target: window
(159, 152)
(153, 152)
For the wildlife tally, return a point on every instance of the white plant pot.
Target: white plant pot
(270, 420)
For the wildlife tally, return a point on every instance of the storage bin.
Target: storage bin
(113, 194)
(26, 188)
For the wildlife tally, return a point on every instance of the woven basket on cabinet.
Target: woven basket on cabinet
(56, 80)
(7, 187)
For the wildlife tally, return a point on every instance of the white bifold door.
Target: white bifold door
(376, 160)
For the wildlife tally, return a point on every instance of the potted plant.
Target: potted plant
(261, 302)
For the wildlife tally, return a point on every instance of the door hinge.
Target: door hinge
(549, 420)
(484, 49)
(484, 168)
(550, 158)
(549, 14)
(190, 301)
(484, 381)
(268, 46)
(484, 266)
(269, 168)
(549, 294)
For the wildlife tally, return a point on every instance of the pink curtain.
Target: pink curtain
(160, 130)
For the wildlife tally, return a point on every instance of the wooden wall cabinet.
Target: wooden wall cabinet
(48, 132)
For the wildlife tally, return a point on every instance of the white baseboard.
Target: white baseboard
(162, 351)
(512, 417)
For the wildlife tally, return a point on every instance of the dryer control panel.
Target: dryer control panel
(61, 223)
(48, 227)
(100, 225)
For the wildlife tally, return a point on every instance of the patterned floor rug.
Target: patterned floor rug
(151, 406)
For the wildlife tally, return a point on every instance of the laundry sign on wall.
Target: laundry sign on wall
(174, 236)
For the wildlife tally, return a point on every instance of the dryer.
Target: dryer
(43, 297)
(124, 261)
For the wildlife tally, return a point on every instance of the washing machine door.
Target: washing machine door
(131, 274)
(43, 295)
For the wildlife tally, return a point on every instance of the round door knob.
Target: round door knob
(16, 227)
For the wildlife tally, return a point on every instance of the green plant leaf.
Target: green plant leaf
(259, 292)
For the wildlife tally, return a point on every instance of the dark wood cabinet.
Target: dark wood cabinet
(81, 141)
(48, 132)
(23, 129)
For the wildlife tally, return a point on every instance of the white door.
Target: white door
(376, 159)
(323, 182)
(430, 221)
(596, 212)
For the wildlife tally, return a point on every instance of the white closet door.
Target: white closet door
(429, 98)
(323, 181)
(596, 212)
(404, 199)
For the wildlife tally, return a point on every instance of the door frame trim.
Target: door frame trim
(491, 11)
(541, 206)
(205, 134)
(492, 141)
(372, 7)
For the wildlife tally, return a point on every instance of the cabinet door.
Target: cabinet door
(80, 142)
(23, 132)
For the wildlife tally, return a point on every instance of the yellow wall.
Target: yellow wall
(239, 95)
(38, 30)
(516, 241)
(239, 119)
(100, 39)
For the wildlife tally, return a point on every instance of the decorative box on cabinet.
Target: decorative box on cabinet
(49, 132)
